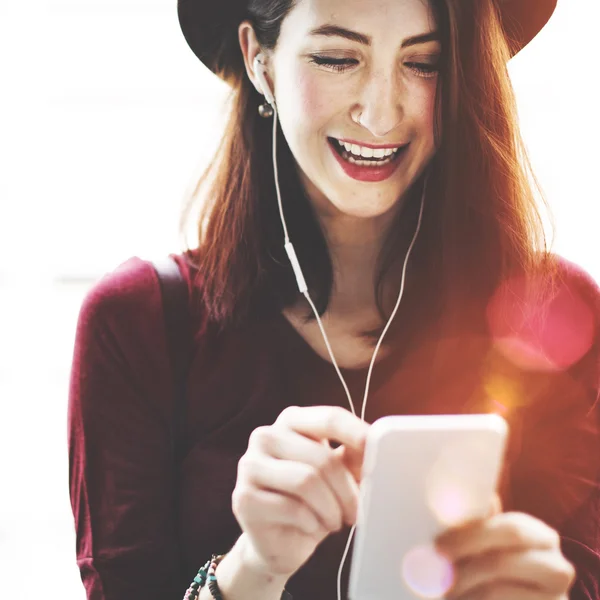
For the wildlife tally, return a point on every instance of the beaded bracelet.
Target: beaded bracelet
(212, 578)
(193, 591)
(207, 572)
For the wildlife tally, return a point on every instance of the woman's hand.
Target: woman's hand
(293, 489)
(509, 556)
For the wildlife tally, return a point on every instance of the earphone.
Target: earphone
(260, 71)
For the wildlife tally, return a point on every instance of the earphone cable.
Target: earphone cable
(285, 231)
(364, 406)
(303, 289)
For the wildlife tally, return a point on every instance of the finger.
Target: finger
(543, 570)
(502, 591)
(505, 531)
(262, 507)
(327, 423)
(294, 447)
(299, 480)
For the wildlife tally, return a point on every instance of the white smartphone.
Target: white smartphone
(421, 475)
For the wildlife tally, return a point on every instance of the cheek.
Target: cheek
(315, 101)
(424, 109)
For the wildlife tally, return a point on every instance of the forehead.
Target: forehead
(380, 19)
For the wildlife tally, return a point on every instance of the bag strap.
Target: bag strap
(174, 292)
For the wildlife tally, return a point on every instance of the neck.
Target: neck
(354, 245)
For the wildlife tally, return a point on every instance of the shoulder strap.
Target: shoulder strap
(174, 294)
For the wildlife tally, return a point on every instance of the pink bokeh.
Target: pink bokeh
(548, 336)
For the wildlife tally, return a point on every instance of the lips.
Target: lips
(372, 172)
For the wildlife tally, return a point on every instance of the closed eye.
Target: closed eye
(335, 64)
(342, 64)
(423, 69)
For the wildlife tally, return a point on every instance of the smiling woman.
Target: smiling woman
(370, 218)
(396, 89)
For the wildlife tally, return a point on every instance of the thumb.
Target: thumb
(352, 460)
(495, 505)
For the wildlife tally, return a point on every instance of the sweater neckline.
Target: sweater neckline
(292, 338)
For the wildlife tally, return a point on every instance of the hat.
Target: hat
(210, 28)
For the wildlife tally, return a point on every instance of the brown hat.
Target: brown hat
(210, 27)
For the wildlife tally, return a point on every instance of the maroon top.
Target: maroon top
(120, 414)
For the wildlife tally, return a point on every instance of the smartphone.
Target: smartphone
(421, 475)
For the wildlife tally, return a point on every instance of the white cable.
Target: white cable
(306, 295)
(341, 568)
(285, 231)
(298, 270)
(401, 293)
(364, 406)
(303, 289)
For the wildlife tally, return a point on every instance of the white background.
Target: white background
(106, 120)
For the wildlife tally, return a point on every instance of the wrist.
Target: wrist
(242, 577)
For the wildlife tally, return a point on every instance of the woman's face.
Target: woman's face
(362, 73)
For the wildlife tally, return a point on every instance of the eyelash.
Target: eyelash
(342, 64)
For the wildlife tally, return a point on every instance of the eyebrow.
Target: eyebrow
(361, 38)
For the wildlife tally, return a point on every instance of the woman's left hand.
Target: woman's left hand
(508, 556)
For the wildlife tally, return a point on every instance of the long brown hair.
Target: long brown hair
(480, 224)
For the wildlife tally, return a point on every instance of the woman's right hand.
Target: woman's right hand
(293, 489)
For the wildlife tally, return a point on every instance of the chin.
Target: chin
(365, 210)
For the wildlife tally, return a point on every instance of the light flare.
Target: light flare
(427, 573)
(550, 336)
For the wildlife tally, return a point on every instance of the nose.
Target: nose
(380, 108)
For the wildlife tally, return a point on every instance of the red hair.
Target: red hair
(481, 222)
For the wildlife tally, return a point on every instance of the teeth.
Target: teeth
(364, 152)
(369, 163)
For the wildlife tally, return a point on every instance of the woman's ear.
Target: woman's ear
(250, 49)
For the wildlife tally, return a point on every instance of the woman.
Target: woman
(405, 193)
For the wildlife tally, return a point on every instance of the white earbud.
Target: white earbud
(260, 72)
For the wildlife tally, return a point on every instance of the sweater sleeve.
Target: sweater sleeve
(557, 477)
(120, 469)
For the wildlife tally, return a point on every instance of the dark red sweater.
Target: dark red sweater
(120, 414)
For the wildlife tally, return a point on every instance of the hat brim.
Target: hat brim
(208, 28)
(524, 19)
